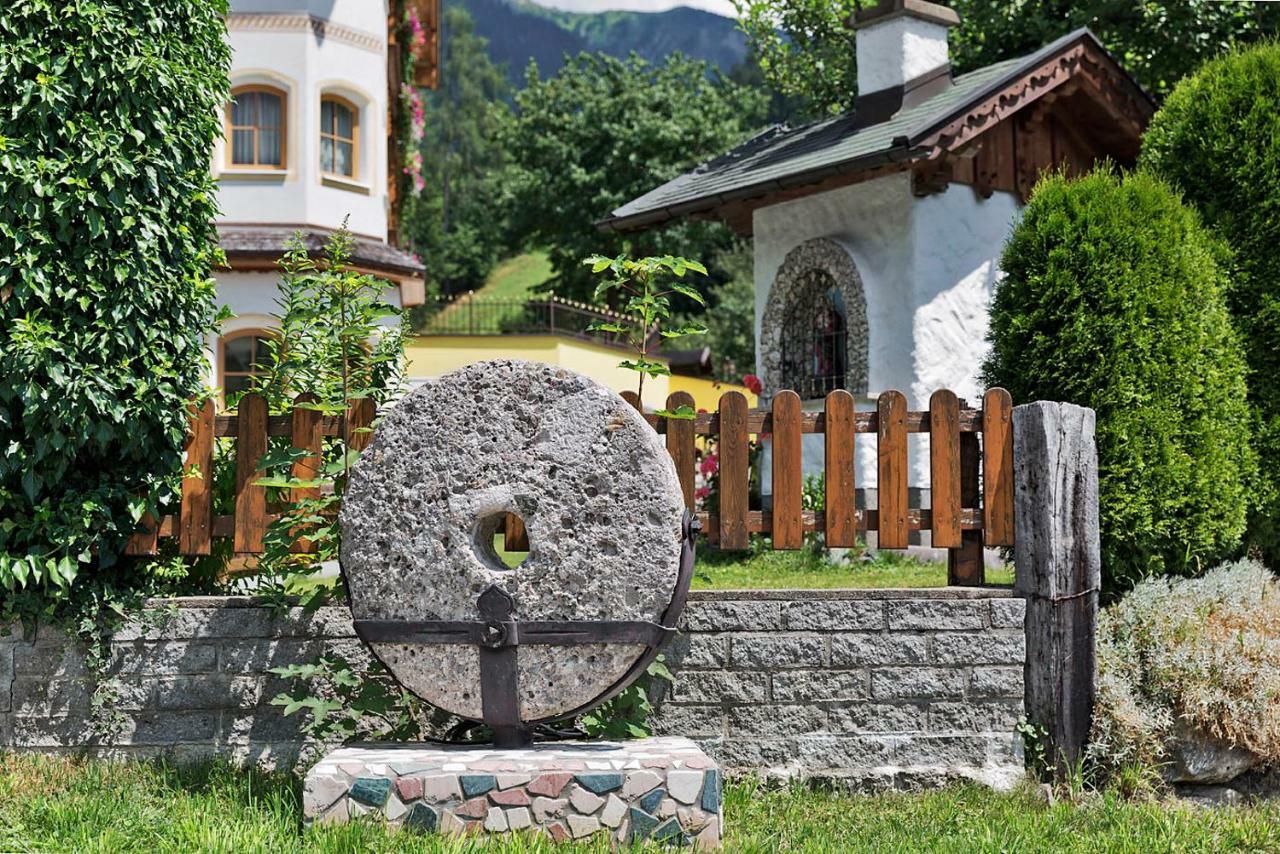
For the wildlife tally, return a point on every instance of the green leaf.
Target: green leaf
(683, 412)
(691, 292)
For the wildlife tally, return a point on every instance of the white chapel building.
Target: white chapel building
(315, 88)
(877, 234)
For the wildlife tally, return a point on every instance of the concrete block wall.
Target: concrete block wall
(872, 688)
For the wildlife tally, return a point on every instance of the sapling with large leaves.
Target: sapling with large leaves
(645, 286)
(334, 346)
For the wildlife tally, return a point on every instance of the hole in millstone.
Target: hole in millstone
(501, 541)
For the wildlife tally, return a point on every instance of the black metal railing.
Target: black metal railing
(469, 314)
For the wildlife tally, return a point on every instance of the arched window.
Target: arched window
(256, 128)
(241, 357)
(339, 135)
(815, 356)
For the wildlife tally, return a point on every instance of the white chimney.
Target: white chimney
(901, 41)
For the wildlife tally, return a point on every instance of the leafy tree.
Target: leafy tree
(1217, 138)
(106, 244)
(457, 220)
(603, 131)
(730, 315)
(806, 47)
(1113, 298)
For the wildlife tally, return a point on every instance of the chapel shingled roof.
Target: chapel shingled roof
(783, 157)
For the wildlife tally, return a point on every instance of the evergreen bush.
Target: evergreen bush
(1217, 139)
(1113, 299)
(111, 109)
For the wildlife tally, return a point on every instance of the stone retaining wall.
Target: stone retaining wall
(874, 688)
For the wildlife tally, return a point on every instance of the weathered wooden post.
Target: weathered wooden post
(1059, 569)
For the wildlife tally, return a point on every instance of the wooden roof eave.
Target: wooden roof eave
(1082, 63)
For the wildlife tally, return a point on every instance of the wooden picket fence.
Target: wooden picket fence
(195, 526)
(970, 465)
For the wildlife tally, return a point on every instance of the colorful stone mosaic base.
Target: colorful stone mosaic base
(659, 789)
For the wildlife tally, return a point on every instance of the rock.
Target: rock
(1210, 796)
(496, 820)
(614, 811)
(640, 782)
(371, 791)
(685, 785)
(422, 819)
(594, 485)
(546, 809)
(580, 826)
(321, 792)
(409, 788)
(510, 798)
(441, 787)
(1199, 758)
(549, 785)
(601, 783)
(585, 802)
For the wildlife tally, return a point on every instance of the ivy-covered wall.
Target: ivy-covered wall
(110, 110)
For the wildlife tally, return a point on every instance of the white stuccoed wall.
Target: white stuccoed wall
(894, 51)
(252, 296)
(928, 266)
(958, 238)
(293, 59)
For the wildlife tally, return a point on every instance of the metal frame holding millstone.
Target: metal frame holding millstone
(498, 634)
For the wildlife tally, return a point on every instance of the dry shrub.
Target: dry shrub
(1206, 650)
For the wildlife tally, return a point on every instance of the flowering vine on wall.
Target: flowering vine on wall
(411, 101)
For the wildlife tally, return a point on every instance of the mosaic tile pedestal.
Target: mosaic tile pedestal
(658, 789)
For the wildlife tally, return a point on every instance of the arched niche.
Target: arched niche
(813, 335)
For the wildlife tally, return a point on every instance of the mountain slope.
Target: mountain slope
(519, 31)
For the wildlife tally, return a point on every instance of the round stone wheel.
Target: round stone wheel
(599, 497)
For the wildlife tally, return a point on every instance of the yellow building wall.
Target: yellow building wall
(434, 355)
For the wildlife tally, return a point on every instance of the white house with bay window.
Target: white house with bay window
(307, 145)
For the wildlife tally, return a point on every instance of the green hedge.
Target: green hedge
(110, 111)
(1217, 138)
(1113, 299)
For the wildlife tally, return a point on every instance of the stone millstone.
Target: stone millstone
(599, 498)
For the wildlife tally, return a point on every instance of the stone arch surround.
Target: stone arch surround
(830, 257)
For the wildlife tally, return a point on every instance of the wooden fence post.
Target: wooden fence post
(1059, 569)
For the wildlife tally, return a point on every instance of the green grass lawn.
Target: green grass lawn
(515, 277)
(61, 804)
(717, 570)
(770, 570)
(512, 279)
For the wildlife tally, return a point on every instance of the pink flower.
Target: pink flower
(702, 493)
(418, 33)
(752, 382)
(710, 465)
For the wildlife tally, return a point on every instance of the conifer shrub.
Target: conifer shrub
(110, 111)
(1113, 299)
(1199, 654)
(1217, 139)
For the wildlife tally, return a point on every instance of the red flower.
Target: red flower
(702, 493)
(752, 382)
